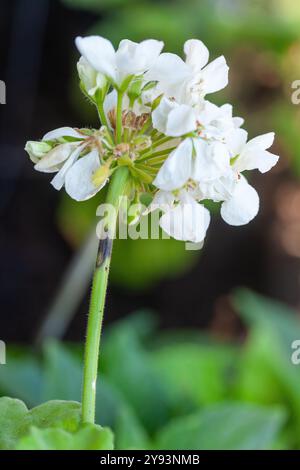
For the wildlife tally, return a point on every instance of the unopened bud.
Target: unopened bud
(37, 150)
(91, 80)
(101, 174)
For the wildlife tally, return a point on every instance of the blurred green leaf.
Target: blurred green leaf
(199, 372)
(16, 419)
(60, 363)
(128, 367)
(223, 427)
(22, 376)
(89, 437)
(130, 434)
(277, 326)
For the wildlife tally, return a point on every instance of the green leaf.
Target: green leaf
(16, 420)
(223, 427)
(55, 413)
(62, 373)
(274, 328)
(21, 377)
(89, 437)
(61, 361)
(198, 372)
(129, 432)
(12, 414)
(127, 365)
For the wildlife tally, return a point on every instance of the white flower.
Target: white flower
(194, 159)
(61, 150)
(37, 150)
(73, 169)
(62, 156)
(130, 58)
(173, 119)
(241, 201)
(212, 160)
(79, 179)
(183, 218)
(242, 206)
(176, 144)
(177, 169)
(217, 122)
(253, 154)
(188, 82)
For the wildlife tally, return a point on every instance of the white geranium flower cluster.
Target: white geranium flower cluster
(156, 120)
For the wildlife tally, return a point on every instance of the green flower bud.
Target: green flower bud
(37, 150)
(91, 80)
(101, 175)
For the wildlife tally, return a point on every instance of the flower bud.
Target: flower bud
(91, 80)
(135, 89)
(37, 150)
(101, 175)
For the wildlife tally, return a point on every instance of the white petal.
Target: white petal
(149, 50)
(59, 179)
(212, 160)
(161, 113)
(162, 200)
(243, 206)
(197, 54)
(78, 182)
(238, 121)
(236, 141)
(182, 120)
(263, 141)
(173, 119)
(100, 54)
(220, 189)
(215, 75)
(254, 155)
(177, 169)
(251, 159)
(63, 132)
(52, 160)
(134, 59)
(169, 69)
(188, 221)
(110, 102)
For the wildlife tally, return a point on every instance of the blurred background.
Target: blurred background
(46, 247)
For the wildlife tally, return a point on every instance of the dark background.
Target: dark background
(37, 62)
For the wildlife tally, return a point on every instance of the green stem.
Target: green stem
(97, 301)
(103, 118)
(119, 118)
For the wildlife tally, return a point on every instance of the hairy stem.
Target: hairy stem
(97, 301)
